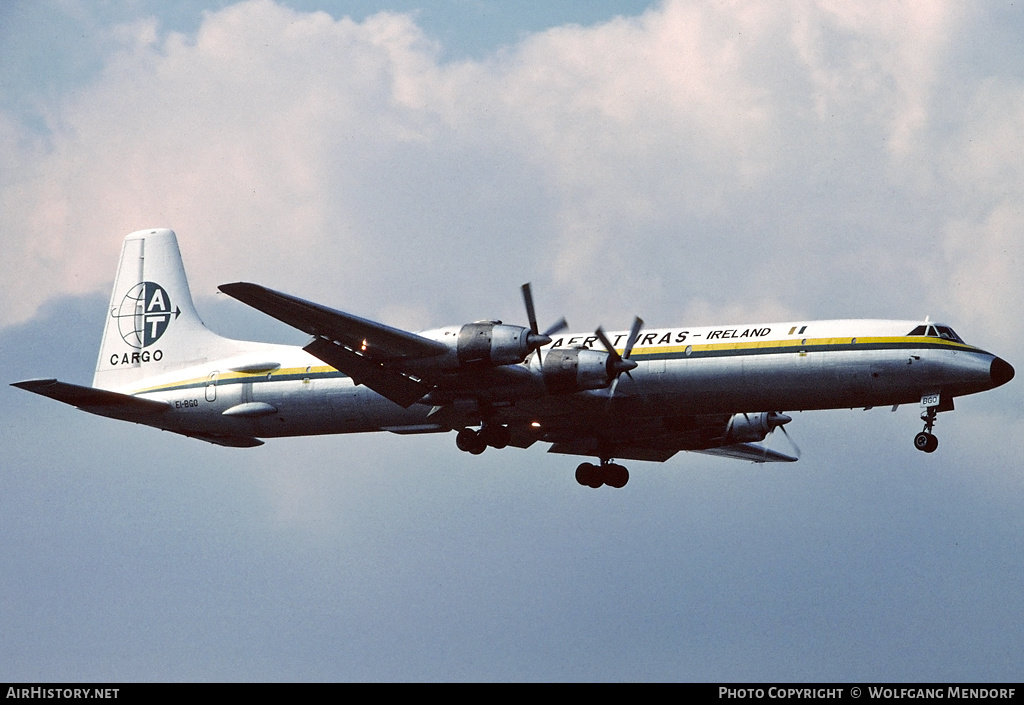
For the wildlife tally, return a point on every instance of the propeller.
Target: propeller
(779, 420)
(617, 364)
(535, 339)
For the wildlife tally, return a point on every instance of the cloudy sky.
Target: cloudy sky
(686, 161)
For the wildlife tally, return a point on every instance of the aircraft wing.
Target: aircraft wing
(751, 452)
(96, 401)
(631, 451)
(225, 440)
(370, 353)
(583, 428)
(639, 451)
(373, 340)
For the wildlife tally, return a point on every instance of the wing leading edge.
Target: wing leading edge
(370, 353)
(751, 452)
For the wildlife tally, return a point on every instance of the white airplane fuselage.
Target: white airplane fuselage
(640, 394)
(681, 371)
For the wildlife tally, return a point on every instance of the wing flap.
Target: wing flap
(589, 447)
(390, 384)
(372, 339)
(367, 351)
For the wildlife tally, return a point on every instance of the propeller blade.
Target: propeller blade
(612, 352)
(534, 338)
(557, 328)
(634, 335)
(778, 420)
(789, 438)
(617, 364)
(531, 314)
(611, 390)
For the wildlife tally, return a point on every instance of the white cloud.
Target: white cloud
(721, 158)
(875, 61)
(981, 246)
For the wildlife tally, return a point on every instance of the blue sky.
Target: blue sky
(688, 162)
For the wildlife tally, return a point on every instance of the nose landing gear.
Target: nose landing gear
(926, 441)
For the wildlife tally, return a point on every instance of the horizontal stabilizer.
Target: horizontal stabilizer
(95, 401)
(125, 407)
(751, 452)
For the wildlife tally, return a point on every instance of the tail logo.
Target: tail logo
(144, 314)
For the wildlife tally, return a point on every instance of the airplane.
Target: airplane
(637, 394)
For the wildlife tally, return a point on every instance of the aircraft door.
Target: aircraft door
(211, 387)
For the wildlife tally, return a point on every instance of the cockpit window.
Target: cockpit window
(944, 332)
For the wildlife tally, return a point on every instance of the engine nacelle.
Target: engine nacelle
(492, 343)
(568, 370)
(753, 428)
(717, 430)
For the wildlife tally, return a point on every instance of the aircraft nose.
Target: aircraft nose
(1001, 371)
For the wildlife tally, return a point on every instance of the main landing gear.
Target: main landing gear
(498, 436)
(926, 440)
(607, 473)
(476, 442)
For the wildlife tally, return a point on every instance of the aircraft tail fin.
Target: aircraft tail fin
(152, 326)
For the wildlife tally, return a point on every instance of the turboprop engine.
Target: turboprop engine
(493, 343)
(568, 370)
(752, 428)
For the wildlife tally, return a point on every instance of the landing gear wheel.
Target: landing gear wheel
(616, 475)
(926, 442)
(610, 474)
(495, 435)
(589, 475)
(470, 441)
